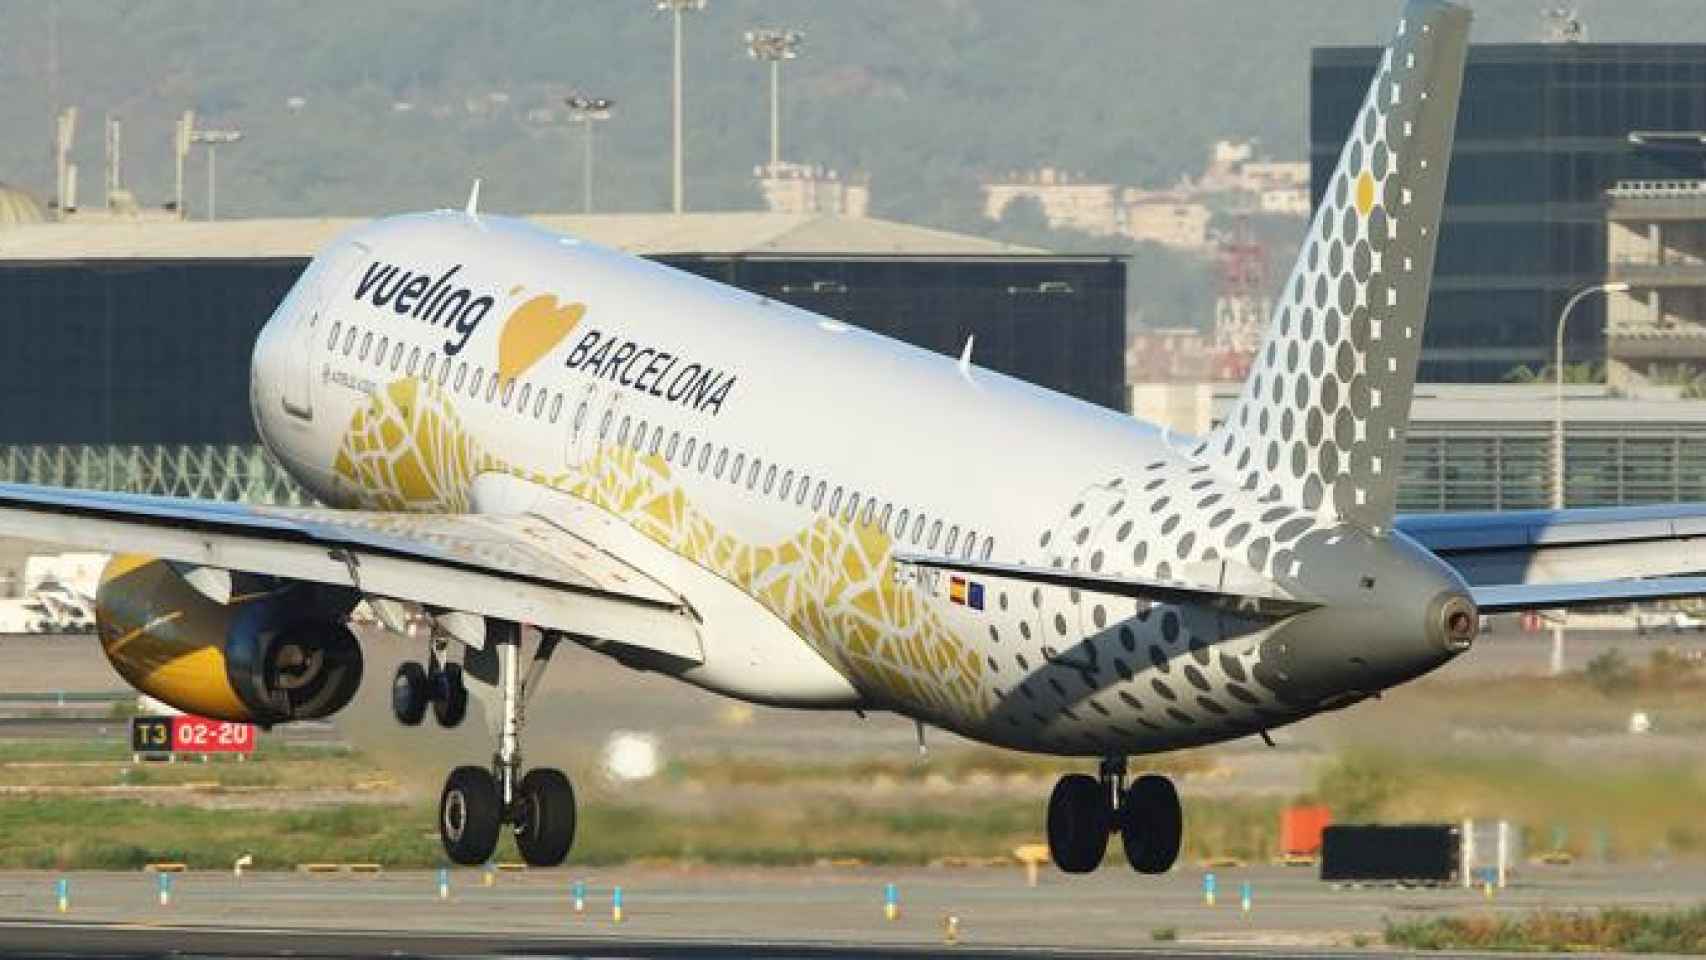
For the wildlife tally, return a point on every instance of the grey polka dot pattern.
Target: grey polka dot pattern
(1321, 419)
(1309, 457)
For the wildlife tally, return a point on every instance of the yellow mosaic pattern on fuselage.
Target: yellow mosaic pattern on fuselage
(833, 583)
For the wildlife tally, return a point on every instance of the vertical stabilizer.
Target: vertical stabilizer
(1321, 420)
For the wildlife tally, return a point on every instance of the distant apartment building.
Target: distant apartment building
(1169, 218)
(1067, 202)
(797, 188)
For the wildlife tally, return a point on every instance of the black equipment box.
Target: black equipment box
(1416, 852)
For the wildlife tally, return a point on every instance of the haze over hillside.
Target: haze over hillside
(403, 102)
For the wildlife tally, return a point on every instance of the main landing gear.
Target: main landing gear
(478, 801)
(1085, 810)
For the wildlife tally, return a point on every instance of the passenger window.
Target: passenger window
(870, 511)
(935, 534)
(900, 524)
(492, 387)
(509, 391)
(526, 395)
(674, 445)
(657, 439)
(556, 407)
(953, 538)
(705, 457)
(722, 461)
(640, 435)
(752, 474)
(580, 416)
(539, 404)
(474, 381)
(971, 544)
(426, 369)
(770, 481)
(397, 357)
(337, 328)
(622, 432)
(349, 341)
(852, 508)
(835, 502)
(444, 372)
(414, 360)
(918, 529)
(817, 498)
(461, 373)
(604, 425)
(988, 547)
(366, 344)
(787, 484)
(740, 464)
(379, 355)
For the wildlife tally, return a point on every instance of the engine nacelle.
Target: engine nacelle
(274, 650)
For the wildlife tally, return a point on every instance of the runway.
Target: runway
(796, 912)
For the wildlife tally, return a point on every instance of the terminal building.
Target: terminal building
(1559, 148)
(128, 364)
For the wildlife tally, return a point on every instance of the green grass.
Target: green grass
(1616, 929)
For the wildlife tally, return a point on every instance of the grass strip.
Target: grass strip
(1613, 929)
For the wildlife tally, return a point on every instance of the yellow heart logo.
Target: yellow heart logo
(532, 330)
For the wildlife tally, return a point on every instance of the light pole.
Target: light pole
(774, 46)
(1558, 385)
(588, 110)
(213, 138)
(1558, 433)
(676, 8)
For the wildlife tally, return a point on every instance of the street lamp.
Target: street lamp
(774, 46)
(676, 8)
(588, 110)
(212, 138)
(1558, 385)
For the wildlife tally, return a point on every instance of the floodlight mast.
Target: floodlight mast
(676, 8)
(774, 46)
(587, 110)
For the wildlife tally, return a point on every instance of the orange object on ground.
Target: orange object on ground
(1300, 829)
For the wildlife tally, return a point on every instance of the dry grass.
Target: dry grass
(1678, 931)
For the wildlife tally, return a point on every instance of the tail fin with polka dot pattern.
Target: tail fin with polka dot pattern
(1321, 420)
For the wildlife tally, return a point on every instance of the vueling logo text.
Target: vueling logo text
(418, 295)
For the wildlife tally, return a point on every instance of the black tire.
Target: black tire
(409, 693)
(1152, 824)
(470, 812)
(450, 696)
(1079, 822)
(544, 817)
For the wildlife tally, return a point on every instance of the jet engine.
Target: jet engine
(230, 646)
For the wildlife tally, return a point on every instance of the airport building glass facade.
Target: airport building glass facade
(1543, 132)
(133, 375)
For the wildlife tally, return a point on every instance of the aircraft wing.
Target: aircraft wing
(519, 568)
(1547, 559)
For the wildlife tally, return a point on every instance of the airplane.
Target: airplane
(522, 440)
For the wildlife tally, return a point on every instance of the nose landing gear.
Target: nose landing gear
(477, 802)
(1085, 810)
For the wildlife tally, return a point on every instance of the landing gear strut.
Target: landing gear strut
(1084, 810)
(477, 802)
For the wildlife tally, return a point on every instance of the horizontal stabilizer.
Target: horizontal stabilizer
(1269, 605)
(1509, 598)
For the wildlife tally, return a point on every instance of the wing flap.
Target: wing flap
(1511, 598)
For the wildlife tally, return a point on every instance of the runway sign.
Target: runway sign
(186, 734)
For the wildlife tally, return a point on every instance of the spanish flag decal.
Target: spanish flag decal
(966, 593)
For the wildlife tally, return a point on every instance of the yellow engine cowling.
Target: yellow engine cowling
(275, 651)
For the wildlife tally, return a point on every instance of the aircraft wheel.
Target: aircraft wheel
(1151, 824)
(409, 693)
(544, 817)
(449, 696)
(1079, 820)
(469, 815)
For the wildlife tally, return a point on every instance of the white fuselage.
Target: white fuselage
(375, 390)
